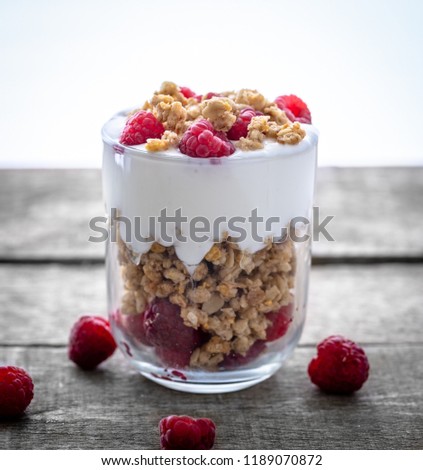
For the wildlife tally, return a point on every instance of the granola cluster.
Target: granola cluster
(228, 296)
(177, 113)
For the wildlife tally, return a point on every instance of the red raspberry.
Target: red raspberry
(280, 322)
(165, 329)
(135, 326)
(210, 95)
(186, 433)
(207, 96)
(341, 366)
(202, 140)
(172, 357)
(16, 391)
(187, 92)
(240, 126)
(91, 342)
(295, 108)
(141, 126)
(234, 360)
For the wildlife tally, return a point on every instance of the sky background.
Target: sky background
(67, 66)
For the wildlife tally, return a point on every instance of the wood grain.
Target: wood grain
(45, 213)
(372, 304)
(115, 408)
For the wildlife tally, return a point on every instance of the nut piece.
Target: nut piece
(214, 304)
(220, 112)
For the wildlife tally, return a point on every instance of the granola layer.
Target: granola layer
(228, 296)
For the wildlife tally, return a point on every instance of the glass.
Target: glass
(211, 312)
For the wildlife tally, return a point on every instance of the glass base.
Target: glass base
(206, 382)
(205, 388)
(211, 382)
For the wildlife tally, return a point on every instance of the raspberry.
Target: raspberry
(135, 326)
(140, 127)
(202, 140)
(341, 366)
(91, 342)
(295, 108)
(207, 96)
(187, 92)
(210, 95)
(240, 126)
(172, 357)
(186, 433)
(234, 360)
(280, 322)
(165, 329)
(16, 391)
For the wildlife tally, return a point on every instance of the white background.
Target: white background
(67, 66)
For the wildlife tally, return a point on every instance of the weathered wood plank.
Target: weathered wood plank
(372, 304)
(115, 408)
(45, 213)
(377, 211)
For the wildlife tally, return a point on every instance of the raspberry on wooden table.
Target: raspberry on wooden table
(16, 391)
(91, 342)
(186, 433)
(340, 366)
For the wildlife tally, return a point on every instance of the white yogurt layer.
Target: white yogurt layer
(277, 182)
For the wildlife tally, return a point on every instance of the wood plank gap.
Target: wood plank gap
(316, 260)
(300, 346)
(55, 261)
(366, 260)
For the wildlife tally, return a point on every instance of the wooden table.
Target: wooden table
(368, 285)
